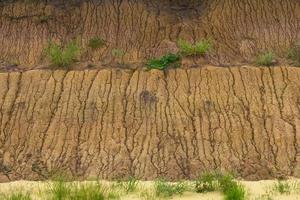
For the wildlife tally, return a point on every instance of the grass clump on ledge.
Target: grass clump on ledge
(265, 59)
(96, 43)
(62, 56)
(200, 48)
(163, 62)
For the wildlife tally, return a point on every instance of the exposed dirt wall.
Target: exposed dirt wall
(239, 28)
(113, 123)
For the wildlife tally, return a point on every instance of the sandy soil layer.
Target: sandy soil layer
(256, 190)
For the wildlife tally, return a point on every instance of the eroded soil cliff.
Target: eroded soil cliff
(114, 123)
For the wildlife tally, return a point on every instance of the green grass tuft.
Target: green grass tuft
(200, 48)
(265, 59)
(165, 189)
(96, 43)
(235, 192)
(226, 182)
(231, 189)
(163, 62)
(62, 57)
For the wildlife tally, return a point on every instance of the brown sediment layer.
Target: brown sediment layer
(143, 29)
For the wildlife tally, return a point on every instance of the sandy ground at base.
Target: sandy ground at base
(256, 190)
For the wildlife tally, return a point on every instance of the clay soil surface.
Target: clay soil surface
(256, 190)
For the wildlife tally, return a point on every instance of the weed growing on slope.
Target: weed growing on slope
(163, 62)
(265, 59)
(200, 48)
(96, 43)
(62, 56)
(294, 53)
(165, 189)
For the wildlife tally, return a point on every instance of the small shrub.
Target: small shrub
(265, 59)
(200, 48)
(282, 187)
(207, 182)
(294, 53)
(165, 189)
(96, 43)
(17, 196)
(163, 62)
(62, 57)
